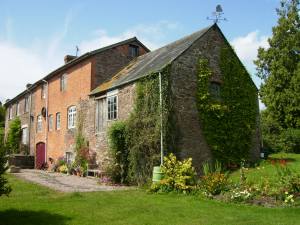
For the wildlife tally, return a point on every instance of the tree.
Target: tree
(2, 123)
(14, 136)
(5, 189)
(279, 67)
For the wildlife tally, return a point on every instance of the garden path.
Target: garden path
(64, 182)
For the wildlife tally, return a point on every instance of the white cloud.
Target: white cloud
(246, 46)
(152, 35)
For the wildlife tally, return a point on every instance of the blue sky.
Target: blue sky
(35, 35)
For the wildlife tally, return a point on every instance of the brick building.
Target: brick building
(101, 85)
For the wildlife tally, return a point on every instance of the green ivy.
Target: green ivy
(228, 122)
(119, 152)
(143, 136)
(14, 136)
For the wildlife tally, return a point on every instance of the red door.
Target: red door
(40, 158)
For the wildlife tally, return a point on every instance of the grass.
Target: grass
(33, 204)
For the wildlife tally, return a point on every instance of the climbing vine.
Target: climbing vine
(143, 136)
(229, 121)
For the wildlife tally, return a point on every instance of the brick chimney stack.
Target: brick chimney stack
(68, 58)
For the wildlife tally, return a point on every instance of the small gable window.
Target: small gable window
(133, 50)
(215, 90)
(26, 104)
(63, 82)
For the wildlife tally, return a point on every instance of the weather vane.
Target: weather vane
(217, 16)
(77, 50)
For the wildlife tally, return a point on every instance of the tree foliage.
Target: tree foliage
(119, 151)
(5, 189)
(279, 67)
(14, 136)
(2, 123)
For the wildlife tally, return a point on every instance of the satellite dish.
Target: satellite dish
(219, 9)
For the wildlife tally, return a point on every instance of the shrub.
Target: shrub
(14, 136)
(214, 181)
(179, 176)
(119, 151)
(290, 140)
(63, 169)
(5, 189)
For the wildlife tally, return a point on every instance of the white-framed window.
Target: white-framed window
(69, 157)
(112, 107)
(18, 109)
(44, 89)
(39, 123)
(71, 117)
(26, 104)
(63, 82)
(50, 122)
(10, 113)
(101, 115)
(25, 135)
(58, 121)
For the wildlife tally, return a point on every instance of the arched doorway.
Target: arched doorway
(40, 156)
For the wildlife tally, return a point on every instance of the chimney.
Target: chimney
(68, 58)
(28, 86)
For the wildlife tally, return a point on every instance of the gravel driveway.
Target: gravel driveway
(64, 182)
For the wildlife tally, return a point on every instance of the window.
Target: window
(63, 82)
(133, 50)
(57, 121)
(112, 108)
(100, 114)
(10, 113)
(69, 158)
(18, 109)
(50, 122)
(39, 123)
(215, 90)
(25, 135)
(26, 104)
(44, 88)
(71, 117)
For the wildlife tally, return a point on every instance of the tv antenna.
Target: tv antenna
(217, 16)
(77, 50)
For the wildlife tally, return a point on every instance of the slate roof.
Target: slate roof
(151, 62)
(74, 62)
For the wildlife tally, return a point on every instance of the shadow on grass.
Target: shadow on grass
(26, 217)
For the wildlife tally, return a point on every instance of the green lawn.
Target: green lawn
(33, 204)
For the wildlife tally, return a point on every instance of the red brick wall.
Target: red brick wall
(78, 88)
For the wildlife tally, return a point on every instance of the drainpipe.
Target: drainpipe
(161, 123)
(29, 125)
(46, 127)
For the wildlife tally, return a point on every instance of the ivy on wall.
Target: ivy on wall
(143, 127)
(228, 122)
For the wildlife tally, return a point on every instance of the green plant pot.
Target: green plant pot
(157, 174)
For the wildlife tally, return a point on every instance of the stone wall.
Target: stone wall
(191, 141)
(98, 141)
